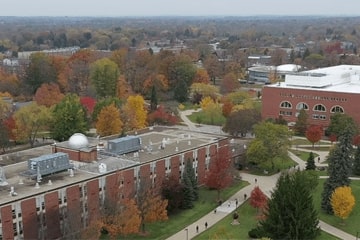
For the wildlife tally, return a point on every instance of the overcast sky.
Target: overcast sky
(178, 7)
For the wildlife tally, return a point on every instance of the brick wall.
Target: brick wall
(52, 217)
(29, 218)
(7, 223)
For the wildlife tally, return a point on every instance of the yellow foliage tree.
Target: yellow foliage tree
(108, 121)
(342, 202)
(135, 112)
(201, 76)
(206, 102)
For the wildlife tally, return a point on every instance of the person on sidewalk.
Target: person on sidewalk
(206, 225)
(197, 229)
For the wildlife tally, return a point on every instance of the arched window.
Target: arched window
(337, 109)
(302, 105)
(285, 104)
(319, 108)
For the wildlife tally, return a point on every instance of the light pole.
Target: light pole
(187, 233)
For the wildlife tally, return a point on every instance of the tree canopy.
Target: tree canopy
(104, 76)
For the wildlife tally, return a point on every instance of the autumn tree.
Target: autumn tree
(340, 166)
(201, 76)
(241, 100)
(30, 120)
(219, 175)
(211, 110)
(310, 163)
(103, 103)
(9, 83)
(69, 117)
(135, 112)
(290, 212)
(89, 104)
(48, 94)
(4, 136)
(109, 122)
(342, 202)
(241, 122)
(229, 83)
(301, 123)
(150, 203)
(202, 90)
(314, 133)
(258, 199)
(162, 116)
(104, 75)
(227, 108)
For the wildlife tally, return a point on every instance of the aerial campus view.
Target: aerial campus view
(189, 120)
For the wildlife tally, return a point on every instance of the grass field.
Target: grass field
(200, 117)
(303, 155)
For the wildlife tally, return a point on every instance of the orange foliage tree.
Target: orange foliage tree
(123, 88)
(201, 76)
(136, 113)
(108, 121)
(160, 82)
(229, 83)
(48, 94)
(227, 107)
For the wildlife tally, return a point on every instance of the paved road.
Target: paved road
(266, 184)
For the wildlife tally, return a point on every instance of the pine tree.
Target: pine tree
(340, 165)
(191, 191)
(356, 166)
(310, 163)
(291, 213)
(153, 99)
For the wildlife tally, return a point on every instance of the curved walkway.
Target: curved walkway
(266, 184)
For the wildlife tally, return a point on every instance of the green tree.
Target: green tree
(356, 166)
(69, 117)
(301, 123)
(29, 120)
(104, 76)
(310, 163)
(271, 141)
(340, 166)
(340, 121)
(291, 213)
(181, 91)
(189, 173)
(241, 122)
(39, 71)
(4, 136)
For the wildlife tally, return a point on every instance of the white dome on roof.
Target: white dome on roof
(78, 140)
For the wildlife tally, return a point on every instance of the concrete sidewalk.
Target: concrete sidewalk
(266, 184)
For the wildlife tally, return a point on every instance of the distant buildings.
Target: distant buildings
(320, 92)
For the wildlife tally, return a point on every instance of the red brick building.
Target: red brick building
(320, 92)
(70, 202)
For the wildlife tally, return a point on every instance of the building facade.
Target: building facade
(65, 206)
(321, 93)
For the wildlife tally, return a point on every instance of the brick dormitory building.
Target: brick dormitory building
(65, 202)
(320, 92)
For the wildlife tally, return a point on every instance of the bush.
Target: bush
(257, 233)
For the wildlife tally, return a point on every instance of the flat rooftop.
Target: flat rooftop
(173, 140)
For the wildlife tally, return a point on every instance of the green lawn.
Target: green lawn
(279, 164)
(247, 219)
(206, 203)
(303, 155)
(304, 141)
(200, 117)
(352, 223)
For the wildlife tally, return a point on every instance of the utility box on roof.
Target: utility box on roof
(124, 145)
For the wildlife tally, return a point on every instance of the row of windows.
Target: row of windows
(314, 116)
(317, 107)
(322, 98)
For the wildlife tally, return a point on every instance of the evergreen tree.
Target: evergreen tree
(310, 163)
(291, 213)
(190, 172)
(181, 91)
(340, 164)
(356, 166)
(153, 99)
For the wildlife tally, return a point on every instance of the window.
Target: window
(319, 108)
(302, 105)
(285, 104)
(337, 109)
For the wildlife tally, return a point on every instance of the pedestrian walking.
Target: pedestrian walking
(197, 229)
(206, 225)
(215, 210)
(319, 159)
(236, 202)
(255, 180)
(229, 204)
(245, 196)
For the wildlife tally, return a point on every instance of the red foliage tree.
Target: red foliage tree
(89, 103)
(10, 126)
(227, 108)
(258, 199)
(314, 133)
(219, 175)
(161, 116)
